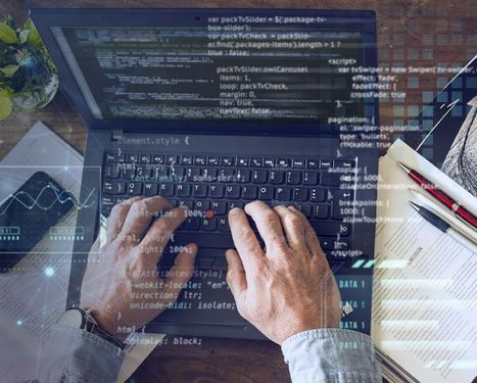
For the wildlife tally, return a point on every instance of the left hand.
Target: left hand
(121, 286)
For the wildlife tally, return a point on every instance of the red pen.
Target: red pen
(442, 197)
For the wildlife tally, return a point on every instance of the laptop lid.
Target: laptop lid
(250, 71)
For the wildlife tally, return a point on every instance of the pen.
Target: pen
(443, 226)
(442, 197)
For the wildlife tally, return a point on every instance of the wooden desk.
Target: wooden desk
(404, 27)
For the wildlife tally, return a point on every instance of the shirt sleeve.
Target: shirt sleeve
(74, 355)
(331, 355)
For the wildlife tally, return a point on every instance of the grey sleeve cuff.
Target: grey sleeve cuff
(331, 355)
(74, 355)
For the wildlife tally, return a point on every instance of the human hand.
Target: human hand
(287, 287)
(123, 274)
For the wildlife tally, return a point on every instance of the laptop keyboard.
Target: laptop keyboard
(212, 185)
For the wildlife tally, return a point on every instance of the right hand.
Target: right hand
(287, 287)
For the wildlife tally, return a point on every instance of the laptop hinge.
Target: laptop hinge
(117, 135)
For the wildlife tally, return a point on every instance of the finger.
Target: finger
(117, 217)
(160, 233)
(268, 224)
(180, 273)
(294, 228)
(311, 239)
(236, 278)
(244, 239)
(140, 216)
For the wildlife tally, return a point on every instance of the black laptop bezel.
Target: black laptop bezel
(46, 18)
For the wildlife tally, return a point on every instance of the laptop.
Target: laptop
(214, 108)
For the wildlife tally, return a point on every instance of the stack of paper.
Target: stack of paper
(425, 284)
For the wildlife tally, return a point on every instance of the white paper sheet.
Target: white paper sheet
(425, 284)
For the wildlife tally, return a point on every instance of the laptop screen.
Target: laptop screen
(231, 69)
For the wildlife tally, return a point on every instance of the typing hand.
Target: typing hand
(287, 287)
(121, 285)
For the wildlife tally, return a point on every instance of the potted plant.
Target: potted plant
(28, 77)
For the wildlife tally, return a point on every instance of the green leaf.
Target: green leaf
(10, 70)
(6, 107)
(7, 34)
(24, 36)
(34, 37)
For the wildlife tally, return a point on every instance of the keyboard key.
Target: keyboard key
(227, 161)
(300, 194)
(317, 195)
(143, 171)
(310, 178)
(166, 190)
(226, 175)
(208, 224)
(326, 164)
(202, 205)
(342, 244)
(157, 159)
(213, 160)
(114, 188)
(345, 164)
(107, 204)
(256, 161)
(342, 194)
(112, 170)
(330, 179)
(283, 163)
(115, 156)
(134, 188)
(192, 223)
(145, 159)
(233, 204)
(312, 164)
(161, 173)
(232, 191)
(224, 225)
(321, 211)
(283, 194)
(186, 160)
(187, 202)
(327, 243)
(329, 229)
(265, 193)
(132, 158)
(336, 211)
(171, 159)
(191, 174)
(243, 161)
(150, 189)
(183, 190)
(293, 177)
(199, 191)
(250, 192)
(306, 210)
(276, 177)
(269, 162)
(298, 163)
(243, 176)
(200, 160)
(218, 207)
(259, 176)
(209, 174)
(216, 191)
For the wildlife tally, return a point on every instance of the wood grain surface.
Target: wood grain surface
(225, 360)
